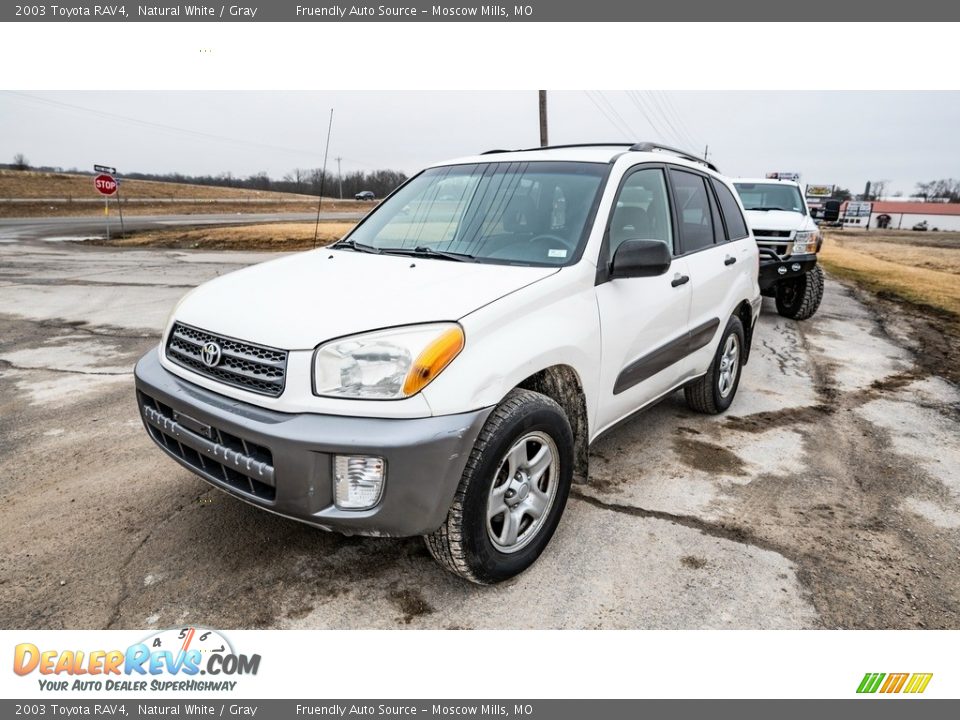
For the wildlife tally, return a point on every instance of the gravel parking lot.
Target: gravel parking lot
(828, 496)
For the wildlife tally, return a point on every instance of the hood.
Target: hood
(779, 220)
(299, 301)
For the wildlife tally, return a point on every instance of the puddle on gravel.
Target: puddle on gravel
(708, 457)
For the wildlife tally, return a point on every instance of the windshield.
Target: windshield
(529, 213)
(771, 196)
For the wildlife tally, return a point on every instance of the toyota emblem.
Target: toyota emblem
(210, 354)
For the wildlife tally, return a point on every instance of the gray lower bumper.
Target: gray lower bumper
(284, 462)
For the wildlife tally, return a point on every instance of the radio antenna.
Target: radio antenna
(323, 177)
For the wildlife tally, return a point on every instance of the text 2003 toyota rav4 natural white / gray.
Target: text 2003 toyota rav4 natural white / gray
(443, 370)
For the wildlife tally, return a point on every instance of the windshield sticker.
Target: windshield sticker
(553, 252)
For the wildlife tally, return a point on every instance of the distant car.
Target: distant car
(365, 195)
(920, 226)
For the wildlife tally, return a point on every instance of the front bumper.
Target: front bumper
(283, 462)
(773, 270)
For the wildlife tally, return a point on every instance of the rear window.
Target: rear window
(736, 226)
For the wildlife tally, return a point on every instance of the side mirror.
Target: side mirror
(831, 211)
(640, 258)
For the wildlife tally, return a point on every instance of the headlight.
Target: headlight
(805, 241)
(387, 364)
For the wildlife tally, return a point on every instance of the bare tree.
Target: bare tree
(20, 162)
(946, 189)
(878, 188)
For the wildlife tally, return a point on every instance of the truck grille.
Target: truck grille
(771, 233)
(780, 249)
(210, 452)
(244, 365)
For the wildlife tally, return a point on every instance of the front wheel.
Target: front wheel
(713, 393)
(800, 297)
(512, 492)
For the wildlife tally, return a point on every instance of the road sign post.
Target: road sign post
(123, 231)
(106, 185)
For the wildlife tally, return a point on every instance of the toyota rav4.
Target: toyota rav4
(442, 370)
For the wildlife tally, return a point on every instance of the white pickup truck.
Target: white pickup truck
(789, 240)
(443, 369)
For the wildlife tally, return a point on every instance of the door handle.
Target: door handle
(679, 280)
(730, 260)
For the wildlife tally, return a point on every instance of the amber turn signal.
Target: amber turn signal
(431, 362)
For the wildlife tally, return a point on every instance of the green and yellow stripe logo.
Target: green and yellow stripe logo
(913, 683)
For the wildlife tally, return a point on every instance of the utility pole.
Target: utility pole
(543, 118)
(340, 177)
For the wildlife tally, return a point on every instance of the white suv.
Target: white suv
(443, 370)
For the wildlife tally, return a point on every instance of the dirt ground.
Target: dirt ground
(828, 496)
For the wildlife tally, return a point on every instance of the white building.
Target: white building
(904, 215)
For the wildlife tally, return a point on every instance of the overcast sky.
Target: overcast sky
(844, 138)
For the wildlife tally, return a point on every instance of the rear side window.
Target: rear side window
(693, 210)
(718, 237)
(736, 227)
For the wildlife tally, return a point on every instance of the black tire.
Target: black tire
(799, 298)
(704, 394)
(462, 544)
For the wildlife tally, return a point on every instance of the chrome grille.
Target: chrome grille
(779, 248)
(244, 365)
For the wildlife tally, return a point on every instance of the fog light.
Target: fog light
(358, 481)
(782, 269)
(795, 267)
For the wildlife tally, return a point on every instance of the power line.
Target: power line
(603, 97)
(613, 122)
(684, 128)
(638, 102)
(198, 134)
(658, 108)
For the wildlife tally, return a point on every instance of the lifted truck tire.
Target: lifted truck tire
(525, 423)
(713, 393)
(799, 298)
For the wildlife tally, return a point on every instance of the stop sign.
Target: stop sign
(105, 184)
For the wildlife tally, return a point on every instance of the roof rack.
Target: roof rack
(560, 147)
(631, 147)
(651, 146)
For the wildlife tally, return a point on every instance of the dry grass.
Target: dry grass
(29, 184)
(268, 236)
(75, 209)
(64, 191)
(920, 274)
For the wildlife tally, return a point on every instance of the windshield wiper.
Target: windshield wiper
(423, 251)
(766, 209)
(354, 245)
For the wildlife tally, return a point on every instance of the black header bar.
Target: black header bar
(854, 11)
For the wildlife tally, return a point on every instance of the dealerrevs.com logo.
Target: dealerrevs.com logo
(181, 659)
(910, 683)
